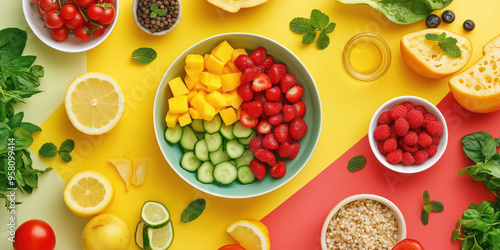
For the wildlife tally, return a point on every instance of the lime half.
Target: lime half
(159, 238)
(155, 214)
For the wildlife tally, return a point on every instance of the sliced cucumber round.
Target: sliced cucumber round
(155, 214)
(205, 172)
(225, 173)
(197, 125)
(213, 125)
(245, 176)
(189, 161)
(201, 150)
(173, 135)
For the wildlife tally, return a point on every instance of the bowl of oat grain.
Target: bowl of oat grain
(363, 221)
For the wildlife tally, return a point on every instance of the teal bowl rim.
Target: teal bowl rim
(160, 136)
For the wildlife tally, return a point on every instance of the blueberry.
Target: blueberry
(432, 21)
(469, 25)
(448, 16)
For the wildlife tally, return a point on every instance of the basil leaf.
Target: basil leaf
(498, 142)
(472, 144)
(65, 156)
(455, 234)
(466, 245)
(301, 25)
(493, 184)
(144, 55)
(309, 37)
(48, 150)
(476, 224)
(31, 179)
(12, 42)
(424, 217)
(323, 41)
(193, 210)
(67, 146)
(356, 163)
(489, 148)
(16, 120)
(21, 63)
(37, 71)
(22, 138)
(30, 127)
(470, 214)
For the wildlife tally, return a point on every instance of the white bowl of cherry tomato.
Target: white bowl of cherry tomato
(71, 25)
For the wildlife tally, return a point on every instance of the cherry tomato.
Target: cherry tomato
(95, 12)
(107, 1)
(232, 247)
(99, 31)
(109, 15)
(60, 34)
(82, 34)
(48, 5)
(408, 244)
(53, 19)
(68, 11)
(84, 3)
(34, 234)
(75, 22)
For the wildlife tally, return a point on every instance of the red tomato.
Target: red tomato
(75, 22)
(95, 12)
(408, 244)
(60, 34)
(109, 15)
(232, 247)
(53, 19)
(48, 5)
(68, 11)
(82, 34)
(99, 31)
(84, 3)
(107, 1)
(34, 234)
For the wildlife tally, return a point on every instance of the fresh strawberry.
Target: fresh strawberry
(248, 75)
(295, 93)
(272, 108)
(245, 91)
(289, 139)
(269, 141)
(276, 119)
(258, 169)
(284, 149)
(281, 133)
(297, 128)
(276, 72)
(286, 82)
(264, 127)
(255, 143)
(255, 109)
(247, 121)
(268, 62)
(289, 113)
(300, 106)
(294, 150)
(244, 105)
(260, 97)
(278, 170)
(261, 82)
(265, 155)
(258, 56)
(243, 62)
(273, 94)
(260, 68)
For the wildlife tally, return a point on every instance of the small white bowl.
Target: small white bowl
(401, 168)
(399, 216)
(71, 45)
(163, 32)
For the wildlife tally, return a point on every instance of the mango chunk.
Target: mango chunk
(171, 119)
(229, 98)
(199, 101)
(230, 81)
(208, 112)
(228, 115)
(178, 87)
(238, 113)
(223, 52)
(227, 69)
(214, 66)
(216, 99)
(232, 67)
(236, 99)
(236, 53)
(214, 82)
(191, 81)
(194, 64)
(194, 113)
(200, 86)
(204, 76)
(184, 119)
(178, 104)
(139, 168)
(191, 94)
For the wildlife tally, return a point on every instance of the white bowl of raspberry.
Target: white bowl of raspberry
(408, 134)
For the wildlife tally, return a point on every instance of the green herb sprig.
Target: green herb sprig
(49, 150)
(193, 210)
(155, 11)
(447, 44)
(318, 21)
(356, 163)
(144, 55)
(429, 206)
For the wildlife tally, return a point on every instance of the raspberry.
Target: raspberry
(428, 118)
(421, 109)
(401, 126)
(411, 138)
(381, 132)
(420, 156)
(395, 156)
(408, 105)
(398, 111)
(415, 118)
(390, 145)
(435, 140)
(435, 128)
(380, 146)
(431, 150)
(417, 130)
(401, 142)
(424, 139)
(407, 159)
(392, 131)
(384, 118)
(411, 148)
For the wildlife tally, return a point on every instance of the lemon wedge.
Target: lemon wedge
(250, 234)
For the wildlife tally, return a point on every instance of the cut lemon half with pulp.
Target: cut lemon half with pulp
(250, 234)
(94, 103)
(88, 193)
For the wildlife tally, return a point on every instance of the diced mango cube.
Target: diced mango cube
(178, 104)
(232, 67)
(238, 113)
(184, 119)
(178, 87)
(214, 82)
(236, 53)
(230, 81)
(216, 99)
(199, 101)
(205, 58)
(208, 112)
(194, 113)
(200, 86)
(237, 100)
(228, 115)
(191, 95)
(204, 76)
(223, 52)
(191, 81)
(194, 64)
(229, 98)
(171, 119)
(214, 66)
(227, 69)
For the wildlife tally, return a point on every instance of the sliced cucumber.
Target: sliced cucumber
(213, 125)
(227, 131)
(201, 150)
(155, 214)
(225, 173)
(189, 161)
(234, 149)
(246, 141)
(214, 141)
(160, 238)
(245, 159)
(197, 125)
(233, 162)
(241, 132)
(200, 135)
(138, 234)
(173, 135)
(205, 172)
(245, 176)
(218, 156)
(189, 138)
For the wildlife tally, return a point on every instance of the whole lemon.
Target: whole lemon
(105, 231)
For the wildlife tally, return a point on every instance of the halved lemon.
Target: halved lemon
(88, 193)
(250, 234)
(94, 103)
(234, 6)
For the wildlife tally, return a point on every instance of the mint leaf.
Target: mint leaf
(319, 19)
(67, 146)
(154, 7)
(323, 41)
(309, 37)
(427, 208)
(301, 25)
(155, 11)
(427, 197)
(48, 150)
(424, 217)
(451, 49)
(65, 156)
(161, 12)
(153, 14)
(144, 55)
(329, 29)
(433, 37)
(437, 206)
(193, 210)
(356, 163)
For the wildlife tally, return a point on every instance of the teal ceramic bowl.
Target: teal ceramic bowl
(250, 42)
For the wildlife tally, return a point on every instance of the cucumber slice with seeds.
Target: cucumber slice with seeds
(197, 125)
(245, 159)
(245, 176)
(174, 135)
(225, 173)
(246, 141)
(155, 214)
(205, 172)
(189, 161)
(189, 138)
(201, 150)
(218, 156)
(214, 141)
(234, 149)
(227, 132)
(213, 125)
(241, 132)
